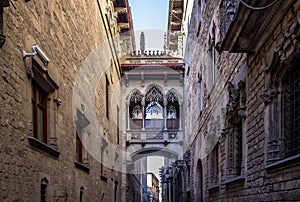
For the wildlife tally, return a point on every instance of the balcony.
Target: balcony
(154, 123)
(137, 124)
(245, 25)
(154, 137)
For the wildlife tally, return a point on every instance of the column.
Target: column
(180, 115)
(127, 114)
(143, 117)
(165, 113)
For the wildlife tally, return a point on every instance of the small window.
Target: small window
(79, 149)
(43, 191)
(214, 166)
(81, 194)
(199, 96)
(82, 133)
(212, 58)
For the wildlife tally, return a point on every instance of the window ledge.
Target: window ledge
(237, 179)
(215, 187)
(82, 167)
(283, 164)
(44, 148)
(103, 178)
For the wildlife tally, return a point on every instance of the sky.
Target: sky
(150, 16)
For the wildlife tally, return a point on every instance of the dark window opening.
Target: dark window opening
(81, 194)
(107, 97)
(1, 20)
(239, 148)
(291, 119)
(78, 149)
(43, 190)
(214, 178)
(118, 125)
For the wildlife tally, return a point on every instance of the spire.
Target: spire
(165, 41)
(142, 42)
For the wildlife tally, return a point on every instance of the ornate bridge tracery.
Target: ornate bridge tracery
(153, 95)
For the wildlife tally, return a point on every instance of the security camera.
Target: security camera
(40, 54)
(37, 51)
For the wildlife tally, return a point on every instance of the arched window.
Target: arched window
(136, 110)
(172, 111)
(43, 193)
(81, 194)
(154, 110)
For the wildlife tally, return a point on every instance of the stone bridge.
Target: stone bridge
(152, 92)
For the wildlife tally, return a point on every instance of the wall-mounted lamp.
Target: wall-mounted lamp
(37, 51)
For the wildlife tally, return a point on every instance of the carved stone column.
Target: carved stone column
(165, 113)
(180, 115)
(143, 117)
(127, 114)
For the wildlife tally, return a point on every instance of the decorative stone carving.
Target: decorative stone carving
(236, 106)
(187, 157)
(269, 94)
(288, 43)
(228, 12)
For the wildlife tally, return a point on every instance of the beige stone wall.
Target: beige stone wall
(68, 32)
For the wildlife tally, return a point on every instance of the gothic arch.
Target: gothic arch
(131, 93)
(176, 93)
(156, 86)
(135, 108)
(154, 107)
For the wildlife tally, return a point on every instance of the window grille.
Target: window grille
(292, 113)
(215, 165)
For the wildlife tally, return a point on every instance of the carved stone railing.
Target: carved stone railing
(152, 136)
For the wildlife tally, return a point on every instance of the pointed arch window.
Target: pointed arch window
(172, 111)
(136, 110)
(43, 193)
(154, 111)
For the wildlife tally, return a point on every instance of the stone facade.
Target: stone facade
(78, 39)
(237, 80)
